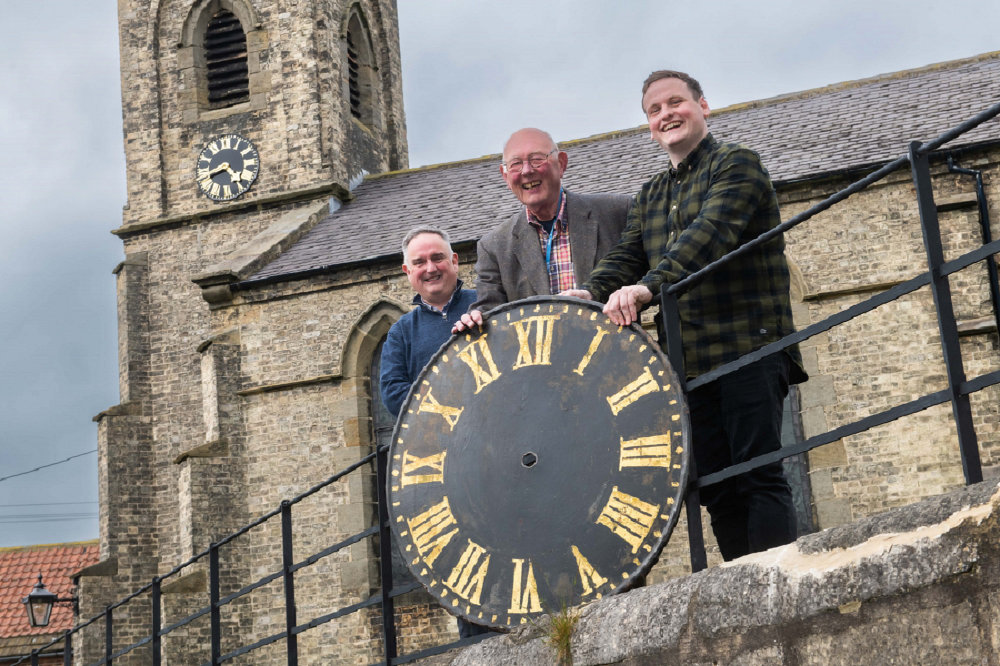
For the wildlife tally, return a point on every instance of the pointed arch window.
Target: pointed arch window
(360, 69)
(226, 71)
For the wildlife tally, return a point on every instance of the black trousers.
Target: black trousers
(733, 419)
(466, 628)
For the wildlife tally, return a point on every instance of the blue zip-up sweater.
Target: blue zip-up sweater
(413, 340)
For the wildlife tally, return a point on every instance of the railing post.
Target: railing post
(68, 648)
(108, 634)
(157, 640)
(287, 561)
(214, 611)
(670, 316)
(385, 557)
(34, 658)
(948, 327)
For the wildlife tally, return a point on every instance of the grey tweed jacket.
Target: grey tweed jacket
(510, 265)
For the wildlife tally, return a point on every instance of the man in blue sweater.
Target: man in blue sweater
(432, 269)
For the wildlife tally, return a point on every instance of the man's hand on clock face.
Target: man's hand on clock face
(624, 305)
(468, 320)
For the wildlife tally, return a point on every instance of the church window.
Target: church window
(226, 61)
(360, 69)
(382, 425)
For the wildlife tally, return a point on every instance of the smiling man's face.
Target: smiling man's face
(432, 268)
(677, 121)
(536, 188)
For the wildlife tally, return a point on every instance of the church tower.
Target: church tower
(245, 121)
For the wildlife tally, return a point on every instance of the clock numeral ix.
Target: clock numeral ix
(413, 464)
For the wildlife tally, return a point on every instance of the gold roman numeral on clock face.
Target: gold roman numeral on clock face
(594, 344)
(432, 530)
(628, 517)
(588, 574)
(466, 579)
(534, 339)
(432, 467)
(450, 414)
(653, 451)
(524, 590)
(644, 384)
(484, 371)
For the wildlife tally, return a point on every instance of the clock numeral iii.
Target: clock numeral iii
(653, 451)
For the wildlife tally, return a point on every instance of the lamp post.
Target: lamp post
(39, 603)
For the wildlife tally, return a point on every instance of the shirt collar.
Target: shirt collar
(691, 161)
(419, 300)
(561, 220)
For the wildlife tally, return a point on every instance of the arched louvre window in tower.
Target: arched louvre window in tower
(226, 61)
(360, 70)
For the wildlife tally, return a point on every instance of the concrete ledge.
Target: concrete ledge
(918, 584)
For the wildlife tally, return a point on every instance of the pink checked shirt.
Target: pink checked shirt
(559, 258)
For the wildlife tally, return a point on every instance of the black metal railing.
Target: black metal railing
(957, 393)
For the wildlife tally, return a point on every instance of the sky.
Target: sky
(473, 71)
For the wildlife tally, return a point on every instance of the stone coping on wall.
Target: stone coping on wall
(915, 584)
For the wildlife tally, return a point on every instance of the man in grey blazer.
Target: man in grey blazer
(554, 242)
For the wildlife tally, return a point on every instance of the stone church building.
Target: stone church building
(255, 292)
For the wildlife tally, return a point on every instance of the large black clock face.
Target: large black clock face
(227, 167)
(539, 464)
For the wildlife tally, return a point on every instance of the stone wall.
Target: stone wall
(914, 585)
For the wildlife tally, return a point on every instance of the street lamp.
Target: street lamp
(39, 604)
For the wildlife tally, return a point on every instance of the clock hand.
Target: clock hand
(222, 167)
(235, 177)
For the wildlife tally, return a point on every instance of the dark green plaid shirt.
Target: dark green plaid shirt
(717, 199)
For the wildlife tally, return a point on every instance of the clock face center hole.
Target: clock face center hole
(529, 459)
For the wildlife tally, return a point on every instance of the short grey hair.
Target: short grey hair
(416, 231)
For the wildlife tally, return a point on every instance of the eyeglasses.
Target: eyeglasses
(536, 161)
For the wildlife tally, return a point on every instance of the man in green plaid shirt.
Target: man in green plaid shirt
(715, 197)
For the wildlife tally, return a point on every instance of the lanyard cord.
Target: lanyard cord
(552, 234)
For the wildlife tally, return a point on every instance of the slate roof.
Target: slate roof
(798, 136)
(19, 569)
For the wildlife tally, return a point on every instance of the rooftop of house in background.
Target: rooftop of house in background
(20, 567)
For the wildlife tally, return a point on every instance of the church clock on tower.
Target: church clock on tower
(314, 87)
